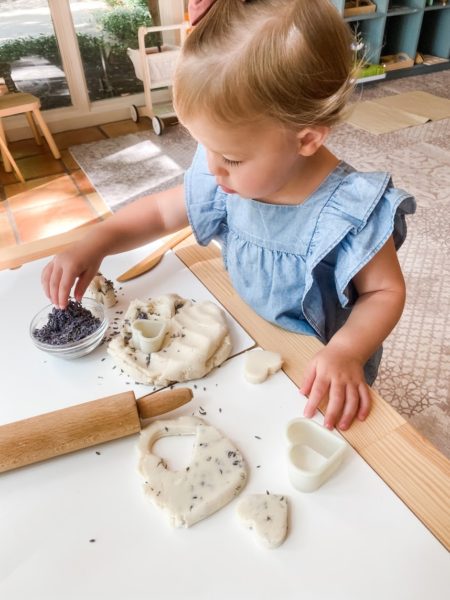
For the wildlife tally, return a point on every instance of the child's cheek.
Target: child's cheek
(257, 184)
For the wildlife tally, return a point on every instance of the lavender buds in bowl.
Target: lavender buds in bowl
(72, 332)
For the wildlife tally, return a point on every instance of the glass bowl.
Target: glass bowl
(71, 349)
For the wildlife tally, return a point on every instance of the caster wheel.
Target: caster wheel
(134, 113)
(158, 125)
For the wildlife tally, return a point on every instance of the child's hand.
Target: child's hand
(60, 274)
(337, 373)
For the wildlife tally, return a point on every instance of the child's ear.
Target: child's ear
(310, 139)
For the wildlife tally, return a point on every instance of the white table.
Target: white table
(351, 539)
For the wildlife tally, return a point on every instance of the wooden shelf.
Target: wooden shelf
(437, 7)
(371, 78)
(417, 70)
(401, 10)
(365, 17)
(408, 26)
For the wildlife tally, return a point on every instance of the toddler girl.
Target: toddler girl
(308, 242)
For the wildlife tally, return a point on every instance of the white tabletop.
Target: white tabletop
(35, 382)
(80, 527)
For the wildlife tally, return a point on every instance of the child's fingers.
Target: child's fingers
(82, 284)
(335, 404)
(65, 285)
(308, 379)
(317, 394)
(365, 401)
(45, 278)
(54, 284)
(352, 402)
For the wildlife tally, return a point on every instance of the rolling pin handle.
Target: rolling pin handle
(158, 403)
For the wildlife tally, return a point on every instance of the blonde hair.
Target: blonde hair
(288, 60)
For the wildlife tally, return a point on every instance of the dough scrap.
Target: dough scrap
(216, 474)
(259, 364)
(267, 515)
(102, 290)
(197, 340)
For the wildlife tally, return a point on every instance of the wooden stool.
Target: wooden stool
(15, 104)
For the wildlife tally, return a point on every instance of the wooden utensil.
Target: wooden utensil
(69, 429)
(155, 257)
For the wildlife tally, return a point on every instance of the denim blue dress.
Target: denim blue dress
(294, 264)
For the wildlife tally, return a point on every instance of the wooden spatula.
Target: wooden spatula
(155, 257)
(69, 429)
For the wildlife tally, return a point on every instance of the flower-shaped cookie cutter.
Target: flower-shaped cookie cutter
(148, 335)
(314, 453)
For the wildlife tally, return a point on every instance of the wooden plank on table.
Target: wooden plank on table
(414, 469)
(419, 475)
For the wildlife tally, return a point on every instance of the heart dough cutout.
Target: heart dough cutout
(216, 474)
(266, 514)
(259, 364)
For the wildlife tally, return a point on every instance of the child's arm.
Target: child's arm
(142, 221)
(337, 370)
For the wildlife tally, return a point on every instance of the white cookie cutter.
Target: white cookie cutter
(148, 335)
(314, 453)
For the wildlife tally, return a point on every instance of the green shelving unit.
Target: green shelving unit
(404, 26)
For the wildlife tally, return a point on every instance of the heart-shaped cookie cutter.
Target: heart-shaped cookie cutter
(148, 335)
(314, 453)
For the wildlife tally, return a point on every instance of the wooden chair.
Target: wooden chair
(8, 159)
(15, 104)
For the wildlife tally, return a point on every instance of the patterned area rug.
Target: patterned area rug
(415, 372)
(124, 168)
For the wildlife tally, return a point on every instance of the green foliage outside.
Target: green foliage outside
(118, 30)
(127, 3)
(108, 69)
(120, 25)
(46, 46)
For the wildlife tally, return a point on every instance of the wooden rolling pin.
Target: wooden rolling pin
(69, 429)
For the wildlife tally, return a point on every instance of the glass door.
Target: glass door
(72, 54)
(30, 59)
(105, 29)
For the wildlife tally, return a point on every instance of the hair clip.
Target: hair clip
(198, 8)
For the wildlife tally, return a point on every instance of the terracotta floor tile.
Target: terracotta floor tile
(82, 182)
(99, 205)
(7, 237)
(57, 188)
(69, 162)
(77, 136)
(7, 178)
(124, 127)
(14, 189)
(40, 165)
(54, 218)
(28, 147)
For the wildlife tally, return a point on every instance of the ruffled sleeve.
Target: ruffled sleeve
(363, 212)
(205, 202)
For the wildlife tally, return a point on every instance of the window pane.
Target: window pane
(29, 55)
(105, 29)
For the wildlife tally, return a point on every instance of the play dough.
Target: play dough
(102, 290)
(266, 514)
(196, 340)
(216, 473)
(259, 364)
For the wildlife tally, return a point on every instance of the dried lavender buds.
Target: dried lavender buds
(71, 324)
